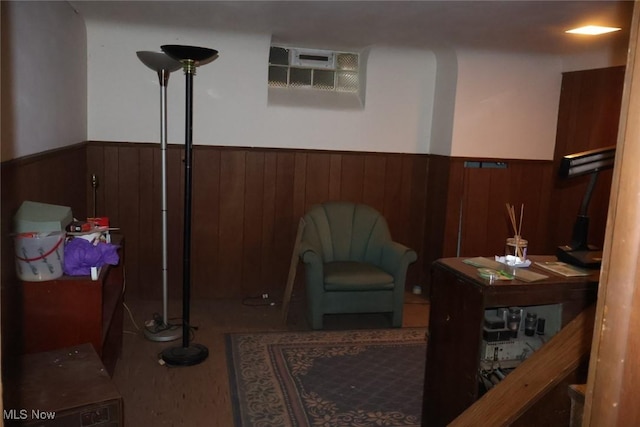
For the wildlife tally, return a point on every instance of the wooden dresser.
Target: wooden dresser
(74, 310)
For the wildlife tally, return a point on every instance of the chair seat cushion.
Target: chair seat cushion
(355, 276)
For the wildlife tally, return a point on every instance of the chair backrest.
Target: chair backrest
(346, 231)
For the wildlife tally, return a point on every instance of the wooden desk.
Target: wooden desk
(74, 310)
(458, 300)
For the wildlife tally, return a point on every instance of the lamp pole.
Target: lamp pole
(160, 329)
(190, 57)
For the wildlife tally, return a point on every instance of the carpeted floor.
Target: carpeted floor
(352, 378)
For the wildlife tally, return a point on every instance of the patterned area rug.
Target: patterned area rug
(327, 378)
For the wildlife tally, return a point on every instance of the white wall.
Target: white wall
(44, 87)
(444, 101)
(396, 117)
(489, 104)
(506, 105)
(230, 96)
(594, 59)
(458, 103)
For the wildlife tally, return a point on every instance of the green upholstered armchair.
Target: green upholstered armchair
(351, 263)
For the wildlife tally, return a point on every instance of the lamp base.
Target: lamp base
(185, 356)
(163, 332)
(589, 257)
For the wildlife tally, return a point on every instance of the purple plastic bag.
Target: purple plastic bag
(80, 255)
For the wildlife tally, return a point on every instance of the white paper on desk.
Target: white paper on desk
(512, 261)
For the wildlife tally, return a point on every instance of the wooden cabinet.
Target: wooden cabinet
(459, 298)
(74, 310)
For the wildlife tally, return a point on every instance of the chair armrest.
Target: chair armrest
(312, 257)
(310, 254)
(396, 258)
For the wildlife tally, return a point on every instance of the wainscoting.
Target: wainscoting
(246, 207)
(247, 203)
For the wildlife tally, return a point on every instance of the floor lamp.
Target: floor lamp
(190, 57)
(160, 329)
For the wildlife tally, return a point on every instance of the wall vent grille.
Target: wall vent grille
(314, 69)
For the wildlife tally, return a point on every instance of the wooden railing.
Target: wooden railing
(541, 372)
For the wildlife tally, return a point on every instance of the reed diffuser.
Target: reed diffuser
(516, 245)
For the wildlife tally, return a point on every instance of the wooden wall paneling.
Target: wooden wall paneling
(335, 176)
(567, 194)
(300, 202)
(501, 191)
(51, 177)
(374, 180)
(316, 176)
(454, 207)
(206, 237)
(588, 115)
(11, 311)
(11, 200)
(128, 191)
(252, 283)
(66, 181)
(288, 225)
(95, 166)
(608, 84)
(148, 222)
(175, 213)
(400, 225)
(289, 188)
(352, 177)
(250, 200)
(232, 211)
(268, 220)
(495, 219)
(484, 193)
(151, 218)
(417, 218)
(598, 208)
(529, 179)
(405, 233)
(475, 211)
(392, 208)
(397, 210)
(520, 195)
(109, 185)
(435, 213)
(152, 205)
(543, 221)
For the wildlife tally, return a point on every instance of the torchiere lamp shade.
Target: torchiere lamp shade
(158, 61)
(188, 53)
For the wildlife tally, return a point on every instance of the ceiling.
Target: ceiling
(512, 25)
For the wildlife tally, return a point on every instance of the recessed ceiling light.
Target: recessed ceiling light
(593, 30)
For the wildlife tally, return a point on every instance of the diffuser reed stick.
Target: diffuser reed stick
(517, 226)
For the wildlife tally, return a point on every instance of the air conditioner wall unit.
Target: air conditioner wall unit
(312, 58)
